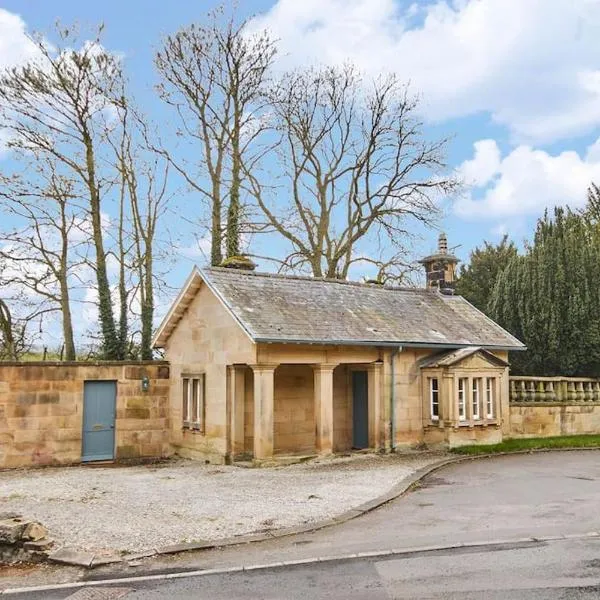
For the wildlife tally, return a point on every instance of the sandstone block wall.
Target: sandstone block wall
(547, 420)
(205, 341)
(409, 410)
(294, 410)
(41, 410)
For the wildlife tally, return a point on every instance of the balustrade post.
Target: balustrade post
(550, 392)
(580, 391)
(512, 396)
(541, 392)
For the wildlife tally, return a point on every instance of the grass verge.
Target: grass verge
(516, 445)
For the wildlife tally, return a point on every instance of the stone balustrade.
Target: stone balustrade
(565, 390)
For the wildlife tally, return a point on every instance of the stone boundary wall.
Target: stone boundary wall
(548, 420)
(552, 406)
(41, 410)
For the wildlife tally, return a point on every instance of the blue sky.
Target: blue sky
(516, 83)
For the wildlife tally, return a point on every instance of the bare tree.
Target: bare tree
(42, 246)
(16, 337)
(214, 77)
(51, 107)
(356, 166)
(144, 177)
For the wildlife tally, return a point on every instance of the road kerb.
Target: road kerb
(307, 561)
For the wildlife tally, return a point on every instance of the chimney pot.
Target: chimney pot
(443, 244)
(440, 267)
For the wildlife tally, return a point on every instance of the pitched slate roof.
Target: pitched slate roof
(277, 308)
(453, 357)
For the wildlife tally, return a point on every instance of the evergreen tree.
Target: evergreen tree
(477, 279)
(550, 299)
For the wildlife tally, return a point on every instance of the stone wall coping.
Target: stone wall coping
(78, 363)
(556, 378)
(555, 403)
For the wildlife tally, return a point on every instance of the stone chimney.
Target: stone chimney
(440, 268)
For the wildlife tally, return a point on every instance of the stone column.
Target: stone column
(264, 383)
(448, 401)
(237, 399)
(374, 382)
(469, 400)
(324, 407)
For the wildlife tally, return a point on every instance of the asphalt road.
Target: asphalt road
(504, 498)
(558, 570)
(484, 501)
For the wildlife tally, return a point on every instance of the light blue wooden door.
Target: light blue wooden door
(360, 409)
(99, 406)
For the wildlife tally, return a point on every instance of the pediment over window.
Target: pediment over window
(473, 358)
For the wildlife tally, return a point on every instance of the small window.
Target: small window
(476, 398)
(462, 400)
(434, 398)
(489, 397)
(193, 402)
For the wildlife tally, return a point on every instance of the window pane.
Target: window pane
(490, 397)
(185, 405)
(201, 408)
(434, 398)
(475, 397)
(195, 395)
(462, 405)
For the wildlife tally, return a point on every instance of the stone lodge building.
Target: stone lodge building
(265, 366)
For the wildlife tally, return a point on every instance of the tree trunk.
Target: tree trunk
(233, 214)
(110, 342)
(216, 252)
(67, 323)
(147, 311)
(123, 295)
(7, 331)
(65, 303)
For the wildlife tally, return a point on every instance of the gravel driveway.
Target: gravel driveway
(133, 509)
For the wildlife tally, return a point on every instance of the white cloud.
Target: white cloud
(15, 46)
(526, 181)
(484, 165)
(533, 65)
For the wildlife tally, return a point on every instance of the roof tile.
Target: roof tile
(281, 308)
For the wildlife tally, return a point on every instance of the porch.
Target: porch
(283, 409)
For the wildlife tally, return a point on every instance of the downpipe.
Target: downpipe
(393, 398)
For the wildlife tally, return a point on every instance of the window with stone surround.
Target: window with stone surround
(193, 402)
(462, 397)
(434, 398)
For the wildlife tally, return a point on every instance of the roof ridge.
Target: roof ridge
(318, 279)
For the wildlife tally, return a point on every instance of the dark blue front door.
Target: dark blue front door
(99, 405)
(360, 409)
